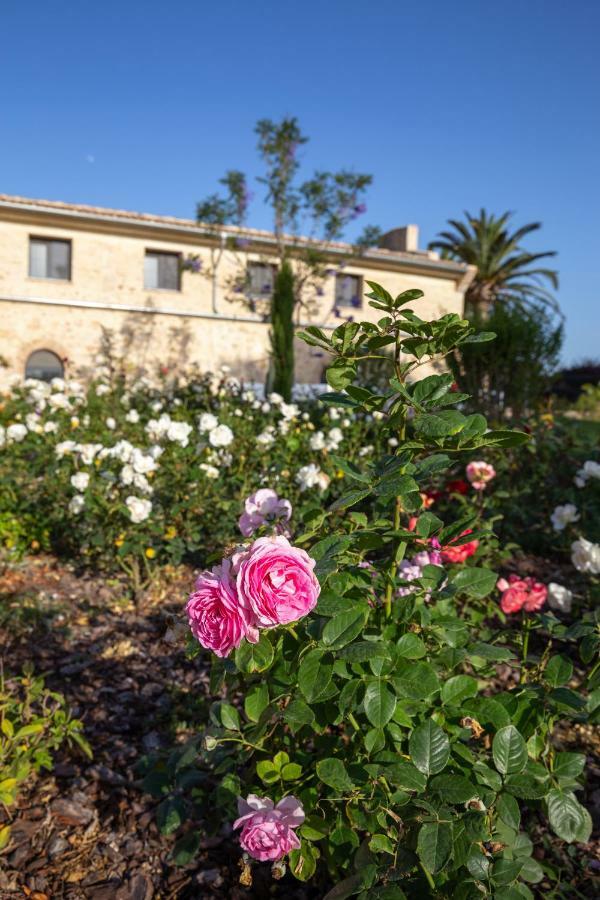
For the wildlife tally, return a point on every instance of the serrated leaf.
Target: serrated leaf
(568, 818)
(314, 673)
(434, 845)
(429, 748)
(379, 702)
(509, 751)
(343, 628)
(332, 772)
(474, 582)
(258, 657)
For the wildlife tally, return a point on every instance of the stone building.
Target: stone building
(172, 291)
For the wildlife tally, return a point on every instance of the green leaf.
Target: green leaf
(568, 818)
(380, 843)
(256, 701)
(170, 814)
(251, 658)
(479, 337)
(434, 845)
(474, 582)
(349, 499)
(453, 788)
(458, 688)
(303, 862)
(505, 871)
(297, 714)
(362, 651)
(404, 775)
(332, 772)
(525, 788)
(410, 646)
(509, 751)
(429, 748)
(349, 468)
(568, 765)
(291, 772)
(416, 680)
(267, 771)
(230, 717)
(315, 673)
(186, 848)
(478, 863)
(559, 670)
(380, 703)
(508, 811)
(343, 628)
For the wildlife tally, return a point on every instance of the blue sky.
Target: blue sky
(451, 106)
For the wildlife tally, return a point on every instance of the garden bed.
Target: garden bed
(87, 830)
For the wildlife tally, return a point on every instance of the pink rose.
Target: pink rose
(276, 581)
(480, 473)
(216, 617)
(521, 593)
(263, 506)
(268, 830)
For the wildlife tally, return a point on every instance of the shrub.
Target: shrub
(359, 720)
(33, 722)
(512, 375)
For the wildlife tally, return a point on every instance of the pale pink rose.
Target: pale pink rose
(536, 597)
(268, 830)
(216, 617)
(263, 506)
(276, 581)
(480, 473)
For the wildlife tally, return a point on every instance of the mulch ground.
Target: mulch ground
(87, 830)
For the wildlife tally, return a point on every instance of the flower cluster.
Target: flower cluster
(266, 584)
(521, 593)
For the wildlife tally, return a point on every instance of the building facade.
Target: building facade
(173, 292)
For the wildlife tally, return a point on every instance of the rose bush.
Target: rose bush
(376, 718)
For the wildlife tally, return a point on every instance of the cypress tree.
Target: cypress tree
(281, 374)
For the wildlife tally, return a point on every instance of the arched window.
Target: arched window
(43, 365)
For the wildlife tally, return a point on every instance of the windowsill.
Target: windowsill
(45, 278)
(163, 290)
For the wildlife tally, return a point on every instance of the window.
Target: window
(162, 271)
(49, 258)
(261, 280)
(44, 365)
(348, 290)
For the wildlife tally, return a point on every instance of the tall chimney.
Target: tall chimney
(405, 239)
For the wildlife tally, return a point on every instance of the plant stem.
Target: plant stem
(525, 633)
(353, 722)
(392, 570)
(428, 876)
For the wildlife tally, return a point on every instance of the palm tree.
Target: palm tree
(505, 271)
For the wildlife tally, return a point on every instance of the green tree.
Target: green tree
(326, 204)
(512, 374)
(281, 373)
(505, 270)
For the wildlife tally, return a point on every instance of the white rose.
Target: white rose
(16, 433)
(50, 427)
(265, 439)
(80, 481)
(209, 471)
(311, 476)
(110, 423)
(221, 436)
(317, 441)
(585, 556)
(559, 597)
(139, 509)
(64, 448)
(102, 389)
(207, 422)
(127, 473)
(76, 504)
(132, 416)
(563, 516)
(179, 432)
